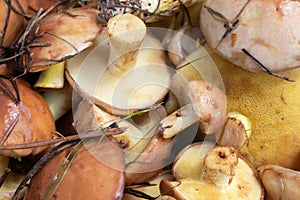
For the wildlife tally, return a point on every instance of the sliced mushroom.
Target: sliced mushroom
(256, 26)
(23, 120)
(280, 182)
(223, 174)
(67, 34)
(126, 72)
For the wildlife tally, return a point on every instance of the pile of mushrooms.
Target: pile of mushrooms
(101, 106)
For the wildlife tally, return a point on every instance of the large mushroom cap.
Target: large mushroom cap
(30, 120)
(88, 177)
(268, 30)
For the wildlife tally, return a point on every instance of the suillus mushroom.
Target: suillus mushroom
(145, 152)
(221, 173)
(25, 117)
(271, 105)
(63, 35)
(76, 173)
(208, 107)
(280, 182)
(248, 33)
(236, 131)
(128, 68)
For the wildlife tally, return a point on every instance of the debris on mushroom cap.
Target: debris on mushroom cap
(23, 120)
(236, 131)
(268, 30)
(76, 173)
(66, 34)
(128, 79)
(280, 182)
(223, 174)
(15, 21)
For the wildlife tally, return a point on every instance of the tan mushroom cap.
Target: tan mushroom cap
(67, 33)
(268, 29)
(34, 121)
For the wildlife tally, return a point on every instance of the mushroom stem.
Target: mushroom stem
(126, 33)
(219, 166)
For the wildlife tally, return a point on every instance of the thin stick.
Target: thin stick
(265, 69)
(91, 134)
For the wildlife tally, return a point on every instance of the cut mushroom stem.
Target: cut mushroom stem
(236, 131)
(126, 33)
(219, 166)
(178, 121)
(125, 72)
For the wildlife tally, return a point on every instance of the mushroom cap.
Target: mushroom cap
(89, 176)
(67, 33)
(269, 30)
(34, 120)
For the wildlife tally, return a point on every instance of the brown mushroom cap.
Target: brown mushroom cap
(32, 117)
(87, 178)
(67, 33)
(16, 21)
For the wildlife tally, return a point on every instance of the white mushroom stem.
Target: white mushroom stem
(178, 121)
(126, 33)
(219, 166)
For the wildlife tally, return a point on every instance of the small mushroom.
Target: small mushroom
(280, 182)
(126, 71)
(223, 174)
(151, 188)
(208, 107)
(236, 131)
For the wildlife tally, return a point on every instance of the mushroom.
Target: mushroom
(151, 188)
(126, 72)
(236, 131)
(221, 173)
(208, 107)
(145, 152)
(24, 119)
(267, 30)
(76, 173)
(66, 34)
(280, 182)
